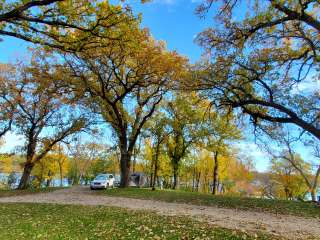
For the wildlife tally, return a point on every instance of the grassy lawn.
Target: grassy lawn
(50, 221)
(266, 205)
(9, 193)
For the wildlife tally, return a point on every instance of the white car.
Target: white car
(102, 181)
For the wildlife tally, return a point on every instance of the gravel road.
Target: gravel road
(291, 227)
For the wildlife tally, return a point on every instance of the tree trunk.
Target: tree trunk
(49, 179)
(48, 183)
(286, 190)
(125, 169)
(175, 176)
(61, 173)
(61, 179)
(155, 173)
(134, 164)
(151, 179)
(40, 179)
(193, 179)
(23, 184)
(313, 195)
(215, 173)
(198, 181)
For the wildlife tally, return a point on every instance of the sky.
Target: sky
(173, 21)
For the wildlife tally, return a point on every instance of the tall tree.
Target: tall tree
(224, 131)
(41, 114)
(187, 123)
(300, 166)
(62, 161)
(288, 179)
(45, 170)
(84, 160)
(261, 62)
(125, 82)
(158, 135)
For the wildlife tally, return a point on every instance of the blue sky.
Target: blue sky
(173, 21)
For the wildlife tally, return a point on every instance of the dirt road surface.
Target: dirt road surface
(290, 227)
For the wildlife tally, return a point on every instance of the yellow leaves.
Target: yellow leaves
(148, 150)
(6, 163)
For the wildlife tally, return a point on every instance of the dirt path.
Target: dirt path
(287, 226)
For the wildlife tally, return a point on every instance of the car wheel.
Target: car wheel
(91, 188)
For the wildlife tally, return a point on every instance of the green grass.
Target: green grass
(9, 193)
(266, 205)
(50, 221)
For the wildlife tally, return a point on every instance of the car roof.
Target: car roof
(104, 174)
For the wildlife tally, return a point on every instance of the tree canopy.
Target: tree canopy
(66, 25)
(260, 62)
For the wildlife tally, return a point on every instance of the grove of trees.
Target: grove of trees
(96, 73)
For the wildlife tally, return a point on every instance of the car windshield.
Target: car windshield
(101, 177)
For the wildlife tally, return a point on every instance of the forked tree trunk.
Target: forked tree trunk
(23, 184)
(125, 169)
(215, 173)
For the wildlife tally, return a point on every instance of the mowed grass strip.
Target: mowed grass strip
(296, 208)
(50, 221)
(9, 193)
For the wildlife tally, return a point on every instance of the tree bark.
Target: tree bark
(193, 179)
(175, 175)
(49, 179)
(215, 173)
(198, 181)
(60, 172)
(155, 173)
(23, 184)
(151, 179)
(313, 195)
(61, 175)
(31, 148)
(134, 164)
(125, 168)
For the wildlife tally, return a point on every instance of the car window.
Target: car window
(101, 177)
